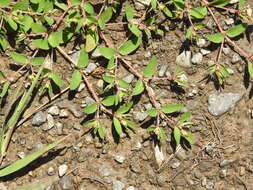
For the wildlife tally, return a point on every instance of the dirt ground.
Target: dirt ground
(221, 158)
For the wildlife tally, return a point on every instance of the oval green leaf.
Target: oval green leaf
(130, 46)
(90, 108)
(117, 126)
(172, 108)
(139, 88)
(236, 30)
(177, 135)
(215, 38)
(75, 80)
(151, 68)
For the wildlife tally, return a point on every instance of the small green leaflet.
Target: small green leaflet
(185, 117)
(153, 4)
(117, 126)
(177, 135)
(139, 88)
(190, 139)
(12, 23)
(130, 124)
(55, 39)
(83, 59)
(151, 68)
(36, 61)
(125, 108)
(151, 128)
(236, 30)
(90, 108)
(250, 69)
(162, 135)
(107, 78)
(88, 8)
(129, 46)
(38, 28)
(199, 12)
(172, 108)
(105, 17)
(123, 84)
(129, 13)
(101, 131)
(111, 63)
(135, 30)
(18, 57)
(215, 38)
(221, 3)
(75, 80)
(57, 79)
(179, 4)
(41, 43)
(5, 3)
(25, 161)
(109, 100)
(91, 41)
(5, 89)
(152, 112)
(106, 52)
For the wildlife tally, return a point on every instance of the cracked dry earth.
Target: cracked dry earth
(221, 158)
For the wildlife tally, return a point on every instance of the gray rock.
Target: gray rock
(66, 183)
(89, 101)
(91, 67)
(210, 185)
(230, 71)
(62, 169)
(54, 110)
(197, 58)
(73, 108)
(75, 57)
(81, 87)
(221, 103)
(117, 185)
(147, 54)
(139, 116)
(223, 173)
(64, 113)
(205, 51)
(226, 163)
(50, 122)
(107, 180)
(229, 21)
(226, 50)
(129, 78)
(105, 172)
(236, 58)
(39, 118)
(21, 155)
(175, 165)
(96, 53)
(233, 1)
(131, 188)
(50, 171)
(59, 128)
(119, 159)
(184, 59)
(162, 70)
(201, 42)
(183, 78)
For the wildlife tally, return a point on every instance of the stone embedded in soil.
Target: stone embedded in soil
(91, 67)
(201, 42)
(223, 173)
(236, 58)
(226, 163)
(21, 155)
(205, 51)
(117, 185)
(39, 118)
(75, 57)
(3, 187)
(89, 100)
(64, 113)
(162, 70)
(96, 53)
(50, 171)
(131, 188)
(53, 110)
(139, 116)
(197, 58)
(59, 128)
(105, 171)
(119, 159)
(229, 21)
(66, 183)
(147, 54)
(209, 185)
(233, 1)
(129, 78)
(175, 165)
(62, 170)
(50, 121)
(221, 103)
(73, 108)
(81, 87)
(184, 59)
(226, 50)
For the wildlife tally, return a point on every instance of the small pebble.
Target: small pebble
(226, 163)
(117, 185)
(175, 165)
(50, 171)
(39, 118)
(119, 159)
(162, 70)
(184, 59)
(242, 171)
(147, 54)
(235, 59)
(81, 87)
(50, 121)
(229, 21)
(64, 113)
(223, 173)
(210, 185)
(96, 53)
(59, 128)
(62, 170)
(131, 188)
(54, 110)
(21, 155)
(197, 58)
(129, 78)
(205, 51)
(226, 50)
(91, 67)
(201, 42)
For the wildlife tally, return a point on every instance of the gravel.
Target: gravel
(117, 185)
(221, 103)
(39, 118)
(184, 59)
(226, 50)
(73, 108)
(205, 51)
(62, 169)
(96, 53)
(53, 110)
(175, 165)
(91, 67)
(64, 113)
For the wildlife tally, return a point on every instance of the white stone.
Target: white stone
(197, 58)
(62, 170)
(205, 51)
(201, 42)
(50, 121)
(184, 59)
(53, 110)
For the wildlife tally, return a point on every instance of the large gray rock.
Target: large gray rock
(221, 103)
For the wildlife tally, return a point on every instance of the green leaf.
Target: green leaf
(189, 33)
(4, 3)
(12, 23)
(177, 135)
(105, 17)
(5, 89)
(26, 22)
(162, 135)
(215, 38)
(130, 124)
(151, 68)
(129, 13)
(250, 69)
(18, 57)
(151, 128)
(111, 64)
(57, 79)
(185, 117)
(2, 75)
(90, 123)
(88, 8)
(91, 108)
(38, 28)
(236, 30)
(107, 78)
(27, 160)
(55, 39)
(152, 112)
(172, 108)
(117, 126)
(167, 12)
(129, 46)
(179, 4)
(75, 80)
(135, 30)
(109, 100)
(123, 84)
(101, 131)
(91, 41)
(83, 59)
(139, 88)
(125, 108)
(108, 53)
(153, 4)
(221, 3)
(4, 43)
(41, 43)
(199, 12)
(190, 139)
